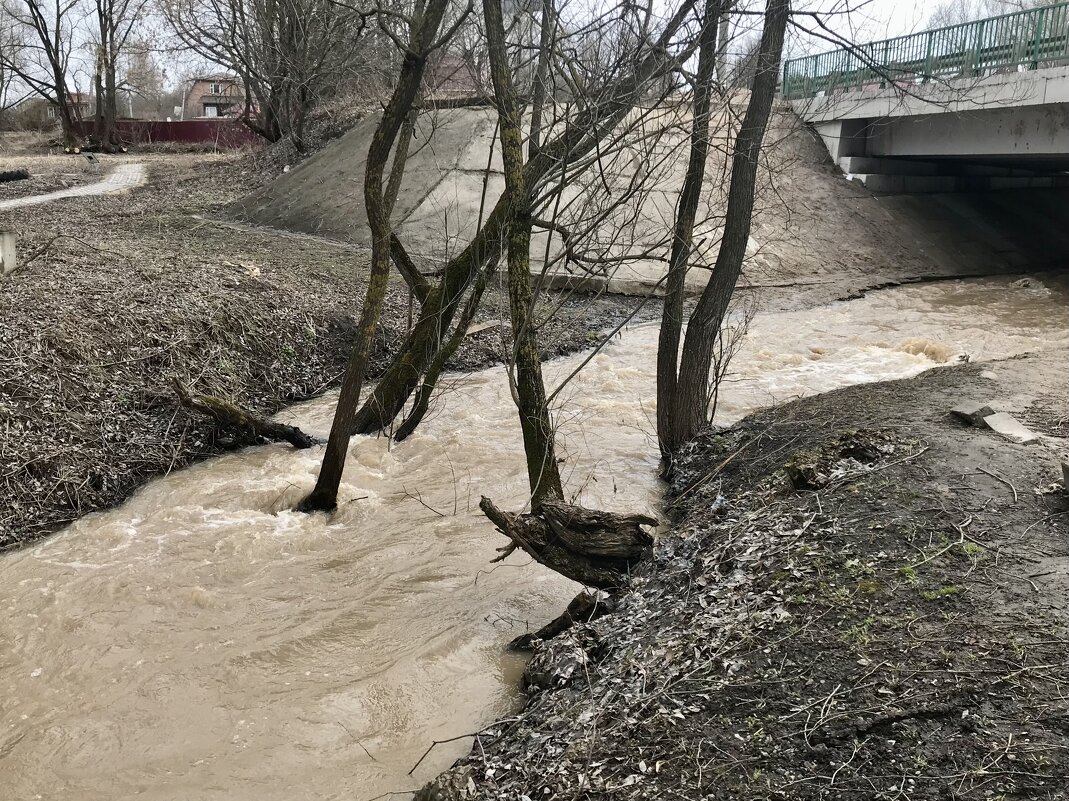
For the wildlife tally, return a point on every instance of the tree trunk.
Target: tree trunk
(267, 123)
(324, 496)
(578, 140)
(71, 137)
(723, 36)
(597, 549)
(691, 397)
(106, 131)
(421, 346)
(249, 428)
(98, 118)
(110, 140)
(529, 390)
(682, 242)
(422, 401)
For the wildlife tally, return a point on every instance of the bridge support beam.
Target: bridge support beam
(1014, 147)
(844, 138)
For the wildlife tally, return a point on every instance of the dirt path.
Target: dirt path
(124, 176)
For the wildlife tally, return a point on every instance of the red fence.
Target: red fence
(220, 133)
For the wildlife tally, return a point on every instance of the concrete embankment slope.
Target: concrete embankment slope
(812, 227)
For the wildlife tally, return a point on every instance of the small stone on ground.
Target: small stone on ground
(1009, 427)
(972, 413)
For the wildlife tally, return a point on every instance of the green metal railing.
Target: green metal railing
(1029, 39)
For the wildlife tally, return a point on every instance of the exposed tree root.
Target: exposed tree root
(598, 549)
(249, 427)
(584, 608)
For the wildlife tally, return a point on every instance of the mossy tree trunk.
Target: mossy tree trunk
(688, 401)
(324, 497)
(683, 238)
(528, 388)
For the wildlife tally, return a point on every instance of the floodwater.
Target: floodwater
(202, 642)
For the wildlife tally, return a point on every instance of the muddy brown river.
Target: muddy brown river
(203, 642)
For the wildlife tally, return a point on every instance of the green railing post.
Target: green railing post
(1038, 38)
(928, 57)
(1020, 38)
(979, 49)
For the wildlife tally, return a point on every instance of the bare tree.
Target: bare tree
(683, 388)
(143, 82)
(424, 31)
(290, 54)
(686, 212)
(624, 56)
(11, 53)
(115, 21)
(45, 30)
(528, 388)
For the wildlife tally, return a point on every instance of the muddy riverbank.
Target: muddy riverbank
(860, 598)
(202, 640)
(118, 295)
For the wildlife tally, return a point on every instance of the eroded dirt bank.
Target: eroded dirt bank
(861, 597)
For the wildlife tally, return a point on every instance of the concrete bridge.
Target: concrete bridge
(968, 108)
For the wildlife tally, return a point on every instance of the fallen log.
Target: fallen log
(586, 607)
(598, 549)
(250, 428)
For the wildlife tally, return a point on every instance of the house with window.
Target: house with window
(41, 114)
(211, 96)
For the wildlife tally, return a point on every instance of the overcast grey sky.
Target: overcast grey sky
(864, 20)
(886, 18)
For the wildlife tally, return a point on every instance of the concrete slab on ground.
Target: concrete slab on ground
(1010, 427)
(124, 176)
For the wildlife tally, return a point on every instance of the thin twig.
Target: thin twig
(997, 477)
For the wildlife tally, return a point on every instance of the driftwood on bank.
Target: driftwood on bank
(248, 427)
(586, 607)
(598, 549)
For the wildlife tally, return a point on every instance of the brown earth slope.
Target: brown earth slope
(867, 602)
(814, 230)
